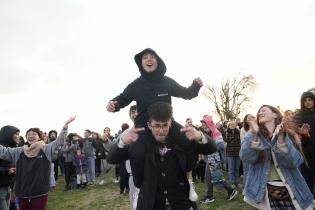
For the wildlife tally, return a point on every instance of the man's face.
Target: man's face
(53, 135)
(159, 130)
(189, 123)
(149, 62)
(107, 132)
(133, 115)
(87, 134)
(309, 103)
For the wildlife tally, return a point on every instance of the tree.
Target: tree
(232, 96)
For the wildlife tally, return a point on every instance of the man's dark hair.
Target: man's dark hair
(52, 131)
(188, 119)
(160, 111)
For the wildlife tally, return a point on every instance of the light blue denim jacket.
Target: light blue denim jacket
(288, 164)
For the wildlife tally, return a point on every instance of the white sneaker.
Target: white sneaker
(102, 182)
(135, 198)
(192, 192)
(115, 180)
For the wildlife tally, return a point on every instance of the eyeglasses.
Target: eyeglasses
(158, 127)
(32, 134)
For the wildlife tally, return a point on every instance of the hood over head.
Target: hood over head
(6, 136)
(211, 125)
(304, 95)
(158, 73)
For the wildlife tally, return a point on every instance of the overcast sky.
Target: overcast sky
(62, 57)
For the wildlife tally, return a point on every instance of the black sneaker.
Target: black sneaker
(232, 195)
(207, 199)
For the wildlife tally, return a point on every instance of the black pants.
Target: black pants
(309, 173)
(98, 165)
(56, 164)
(69, 172)
(124, 177)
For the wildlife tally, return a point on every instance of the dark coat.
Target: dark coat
(307, 116)
(148, 188)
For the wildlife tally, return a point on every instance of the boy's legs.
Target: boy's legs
(137, 152)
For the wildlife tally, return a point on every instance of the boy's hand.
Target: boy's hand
(198, 81)
(191, 133)
(131, 135)
(111, 106)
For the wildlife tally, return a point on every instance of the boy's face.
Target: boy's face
(149, 62)
(309, 103)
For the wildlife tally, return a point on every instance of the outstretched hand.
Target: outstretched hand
(191, 133)
(131, 135)
(198, 81)
(71, 119)
(111, 106)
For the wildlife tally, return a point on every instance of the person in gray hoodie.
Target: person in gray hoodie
(9, 137)
(33, 167)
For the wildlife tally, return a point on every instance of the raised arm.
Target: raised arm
(183, 92)
(50, 148)
(122, 100)
(10, 154)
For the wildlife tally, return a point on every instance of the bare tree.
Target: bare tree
(232, 96)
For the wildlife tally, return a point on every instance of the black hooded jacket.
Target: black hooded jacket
(152, 87)
(307, 116)
(6, 140)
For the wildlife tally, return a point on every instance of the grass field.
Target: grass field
(107, 197)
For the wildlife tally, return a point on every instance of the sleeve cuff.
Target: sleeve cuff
(121, 143)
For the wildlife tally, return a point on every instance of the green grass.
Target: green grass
(107, 197)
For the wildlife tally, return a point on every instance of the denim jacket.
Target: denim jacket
(287, 165)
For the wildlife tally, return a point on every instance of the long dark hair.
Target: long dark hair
(245, 123)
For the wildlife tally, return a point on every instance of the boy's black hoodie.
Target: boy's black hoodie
(152, 87)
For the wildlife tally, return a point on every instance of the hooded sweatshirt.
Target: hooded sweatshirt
(6, 139)
(307, 116)
(152, 87)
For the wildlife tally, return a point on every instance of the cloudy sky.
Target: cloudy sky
(65, 57)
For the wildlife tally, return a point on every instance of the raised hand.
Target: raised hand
(191, 133)
(253, 126)
(131, 135)
(198, 81)
(111, 106)
(305, 129)
(71, 119)
(280, 129)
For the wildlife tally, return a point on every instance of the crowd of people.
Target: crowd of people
(157, 160)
